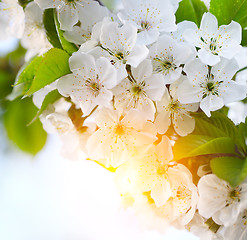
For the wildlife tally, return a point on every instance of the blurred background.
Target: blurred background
(43, 195)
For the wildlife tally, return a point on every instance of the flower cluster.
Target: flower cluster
(136, 81)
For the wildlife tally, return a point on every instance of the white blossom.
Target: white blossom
(90, 81)
(167, 57)
(69, 12)
(118, 44)
(140, 90)
(215, 42)
(118, 135)
(90, 14)
(171, 111)
(151, 17)
(150, 171)
(34, 38)
(199, 227)
(173, 198)
(211, 86)
(238, 230)
(221, 201)
(11, 19)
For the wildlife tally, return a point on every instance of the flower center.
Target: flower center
(210, 86)
(235, 195)
(119, 129)
(120, 56)
(164, 65)
(93, 86)
(144, 26)
(136, 90)
(162, 169)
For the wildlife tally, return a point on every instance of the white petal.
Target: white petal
(211, 103)
(133, 117)
(83, 65)
(161, 192)
(188, 93)
(147, 37)
(196, 71)
(164, 150)
(233, 92)
(192, 37)
(208, 57)
(107, 118)
(183, 124)
(155, 87)
(67, 17)
(213, 194)
(162, 121)
(77, 35)
(44, 4)
(107, 72)
(137, 55)
(209, 24)
(65, 84)
(229, 33)
(225, 69)
(143, 71)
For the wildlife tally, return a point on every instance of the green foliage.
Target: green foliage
(191, 10)
(228, 10)
(219, 125)
(24, 3)
(244, 38)
(233, 170)
(50, 28)
(6, 80)
(19, 113)
(50, 98)
(27, 74)
(44, 70)
(67, 46)
(54, 33)
(197, 145)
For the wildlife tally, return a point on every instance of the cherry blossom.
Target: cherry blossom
(118, 134)
(140, 90)
(215, 42)
(170, 110)
(34, 38)
(90, 83)
(12, 19)
(69, 12)
(118, 44)
(221, 201)
(211, 86)
(150, 18)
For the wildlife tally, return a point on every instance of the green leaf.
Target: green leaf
(27, 73)
(232, 170)
(197, 145)
(228, 10)
(54, 64)
(50, 98)
(244, 38)
(218, 125)
(191, 10)
(19, 113)
(50, 28)
(67, 46)
(24, 3)
(6, 80)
